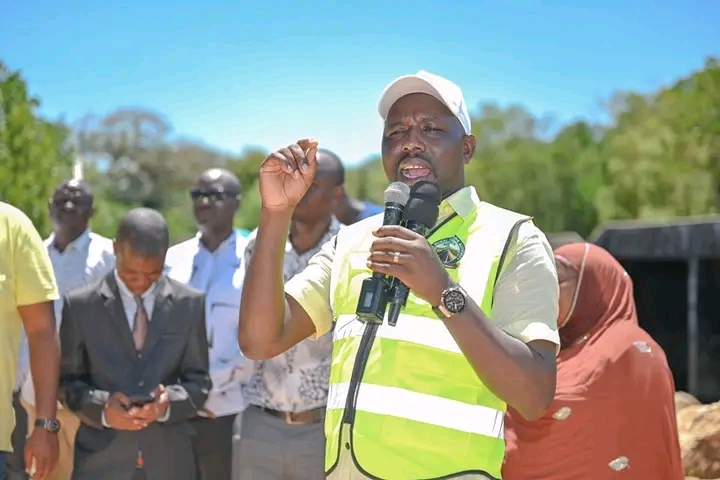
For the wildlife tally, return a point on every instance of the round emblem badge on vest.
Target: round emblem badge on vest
(450, 250)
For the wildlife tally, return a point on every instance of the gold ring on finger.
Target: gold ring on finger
(396, 257)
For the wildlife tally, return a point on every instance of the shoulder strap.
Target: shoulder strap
(511, 237)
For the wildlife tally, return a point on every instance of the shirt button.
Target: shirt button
(141, 383)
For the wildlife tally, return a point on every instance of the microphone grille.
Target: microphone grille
(430, 191)
(397, 192)
(424, 204)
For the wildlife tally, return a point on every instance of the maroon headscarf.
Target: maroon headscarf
(613, 416)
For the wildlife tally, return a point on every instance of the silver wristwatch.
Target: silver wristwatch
(452, 302)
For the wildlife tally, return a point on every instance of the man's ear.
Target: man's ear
(469, 145)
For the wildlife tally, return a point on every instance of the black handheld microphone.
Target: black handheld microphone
(421, 213)
(373, 299)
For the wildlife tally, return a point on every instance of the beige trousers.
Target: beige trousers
(66, 440)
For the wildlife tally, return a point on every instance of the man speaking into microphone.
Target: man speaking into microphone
(425, 397)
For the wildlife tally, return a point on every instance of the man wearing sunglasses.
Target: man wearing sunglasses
(212, 262)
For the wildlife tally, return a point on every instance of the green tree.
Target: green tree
(34, 156)
(657, 157)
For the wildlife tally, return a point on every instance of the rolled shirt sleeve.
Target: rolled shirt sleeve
(311, 288)
(526, 294)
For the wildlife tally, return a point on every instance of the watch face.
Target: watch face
(454, 301)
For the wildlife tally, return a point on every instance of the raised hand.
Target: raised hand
(286, 174)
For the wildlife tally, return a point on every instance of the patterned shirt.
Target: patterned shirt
(297, 380)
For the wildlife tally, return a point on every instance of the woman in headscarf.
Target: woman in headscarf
(613, 416)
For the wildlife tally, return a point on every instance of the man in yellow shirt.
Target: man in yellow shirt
(27, 293)
(425, 398)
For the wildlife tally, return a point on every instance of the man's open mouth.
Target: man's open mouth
(414, 169)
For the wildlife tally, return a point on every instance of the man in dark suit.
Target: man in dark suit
(134, 363)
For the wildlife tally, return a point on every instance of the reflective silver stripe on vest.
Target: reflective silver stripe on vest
(421, 407)
(419, 330)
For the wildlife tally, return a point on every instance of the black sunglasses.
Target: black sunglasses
(212, 195)
(77, 201)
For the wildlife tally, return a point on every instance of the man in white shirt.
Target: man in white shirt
(79, 257)
(282, 432)
(212, 262)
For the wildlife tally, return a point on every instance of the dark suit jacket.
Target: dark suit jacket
(99, 358)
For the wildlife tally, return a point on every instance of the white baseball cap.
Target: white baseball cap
(424, 82)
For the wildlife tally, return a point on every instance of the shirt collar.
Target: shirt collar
(124, 290)
(333, 229)
(80, 243)
(463, 202)
(231, 240)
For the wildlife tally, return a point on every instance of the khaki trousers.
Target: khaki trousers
(66, 440)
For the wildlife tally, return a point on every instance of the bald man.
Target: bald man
(212, 262)
(79, 257)
(281, 435)
(134, 363)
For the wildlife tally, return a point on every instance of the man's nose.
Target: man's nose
(413, 142)
(204, 202)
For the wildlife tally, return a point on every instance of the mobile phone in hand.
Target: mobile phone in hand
(141, 400)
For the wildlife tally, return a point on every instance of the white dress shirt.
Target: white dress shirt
(220, 275)
(85, 260)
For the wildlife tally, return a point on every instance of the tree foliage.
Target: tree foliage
(34, 154)
(658, 157)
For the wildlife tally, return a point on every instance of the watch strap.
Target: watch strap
(48, 424)
(442, 312)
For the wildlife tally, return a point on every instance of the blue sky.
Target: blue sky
(266, 73)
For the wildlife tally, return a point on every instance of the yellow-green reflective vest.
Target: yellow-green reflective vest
(419, 410)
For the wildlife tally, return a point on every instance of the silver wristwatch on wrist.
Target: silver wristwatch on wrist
(452, 302)
(49, 424)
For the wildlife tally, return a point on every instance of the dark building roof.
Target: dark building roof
(679, 238)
